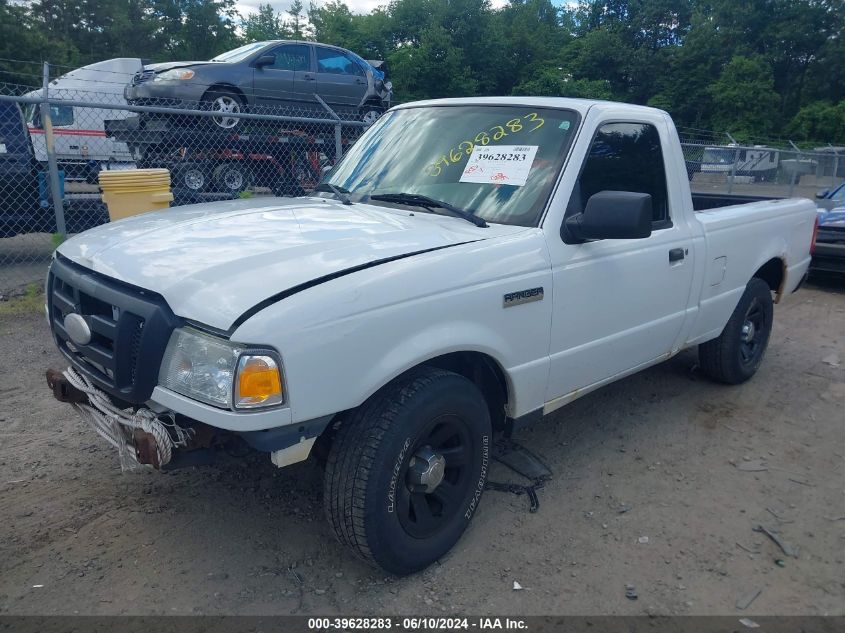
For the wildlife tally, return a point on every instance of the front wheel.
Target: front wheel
(228, 105)
(190, 176)
(406, 470)
(736, 354)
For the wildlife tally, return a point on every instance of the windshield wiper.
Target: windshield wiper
(419, 200)
(340, 192)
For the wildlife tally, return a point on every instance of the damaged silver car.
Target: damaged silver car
(280, 74)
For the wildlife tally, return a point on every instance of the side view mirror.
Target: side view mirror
(612, 215)
(821, 194)
(265, 60)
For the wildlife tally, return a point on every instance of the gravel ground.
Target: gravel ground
(658, 483)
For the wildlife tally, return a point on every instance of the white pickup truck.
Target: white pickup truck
(468, 266)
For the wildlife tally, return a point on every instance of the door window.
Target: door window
(625, 157)
(292, 57)
(59, 116)
(335, 62)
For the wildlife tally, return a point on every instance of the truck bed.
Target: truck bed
(705, 201)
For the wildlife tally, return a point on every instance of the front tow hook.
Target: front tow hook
(63, 391)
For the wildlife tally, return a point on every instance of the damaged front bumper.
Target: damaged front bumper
(163, 439)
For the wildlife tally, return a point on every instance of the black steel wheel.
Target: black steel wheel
(435, 477)
(406, 470)
(735, 355)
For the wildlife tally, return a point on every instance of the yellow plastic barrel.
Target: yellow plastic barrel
(133, 191)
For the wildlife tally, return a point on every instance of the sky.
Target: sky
(245, 7)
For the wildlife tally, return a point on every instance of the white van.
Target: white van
(82, 148)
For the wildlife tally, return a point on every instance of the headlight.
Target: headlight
(175, 73)
(221, 373)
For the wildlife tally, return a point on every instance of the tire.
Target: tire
(190, 177)
(736, 354)
(231, 178)
(407, 468)
(370, 114)
(223, 101)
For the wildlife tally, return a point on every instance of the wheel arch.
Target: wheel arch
(773, 272)
(226, 87)
(485, 372)
(478, 367)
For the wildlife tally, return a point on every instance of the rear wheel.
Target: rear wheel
(231, 178)
(370, 114)
(407, 468)
(736, 354)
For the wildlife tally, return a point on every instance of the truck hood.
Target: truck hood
(213, 262)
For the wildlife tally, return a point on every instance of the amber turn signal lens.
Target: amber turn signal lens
(259, 382)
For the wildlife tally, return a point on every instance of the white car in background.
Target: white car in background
(82, 148)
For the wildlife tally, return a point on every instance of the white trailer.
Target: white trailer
(82, 148)
(759, 162)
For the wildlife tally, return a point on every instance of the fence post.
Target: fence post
(49, 142)
(794, 171)
(733, 171)
(338, 142)
(835, 175)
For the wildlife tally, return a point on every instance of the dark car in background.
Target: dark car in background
(829, 248)
(831, 198)
(275, 74)
(20, 211)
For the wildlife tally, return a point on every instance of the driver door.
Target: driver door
(619, 303)
(274, 85)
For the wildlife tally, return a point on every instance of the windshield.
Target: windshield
(240, 53)
(497, 162)
(718, 156)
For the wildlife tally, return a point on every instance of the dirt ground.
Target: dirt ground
(691, 465)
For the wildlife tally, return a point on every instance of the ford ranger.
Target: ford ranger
(469, 266)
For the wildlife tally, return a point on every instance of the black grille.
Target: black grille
(129, 329)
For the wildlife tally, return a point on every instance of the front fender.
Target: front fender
(344, 339)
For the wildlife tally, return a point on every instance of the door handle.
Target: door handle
(676, 254)
(308, 77)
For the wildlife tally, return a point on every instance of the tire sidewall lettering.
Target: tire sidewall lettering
(482, 479)
(394, 476)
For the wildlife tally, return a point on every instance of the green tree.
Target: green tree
(23, 38)
(744, 98)
(297, 22)
(208, 28)
(265, 24)
(554, 83)
(434, 68)
(821, 120)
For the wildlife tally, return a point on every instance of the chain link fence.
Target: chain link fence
(56, 139)
(55, 142)
(717, 163)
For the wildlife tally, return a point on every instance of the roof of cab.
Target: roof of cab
(579, 105)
